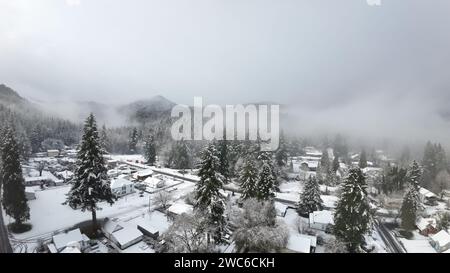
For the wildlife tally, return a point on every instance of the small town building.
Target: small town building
(62, 240)
(121, 187)
(300, 243)
(321, 220)
(440, 241)
(52, 153)
(427, 196)
(127, 236)
(427, 226)
(142, 175)
(179, 208)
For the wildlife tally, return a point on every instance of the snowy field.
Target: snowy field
(48, 214)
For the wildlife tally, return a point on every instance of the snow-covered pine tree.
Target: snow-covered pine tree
(36, 138)
(267, 178)
(223, 158)
(429, 165)
(363, 159)
(310, 200)
(104, 140)
(410, 206)
(216, 219)
(134, 138)
(353, 218)
(415, 175)
(90, 185)
(324, 162)
(150, 150)
(14, 200)
(248, 177)
(281, 155)
(182, 156)
(335, 166)
(209, 199)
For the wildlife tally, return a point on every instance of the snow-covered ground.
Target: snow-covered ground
(48, 214)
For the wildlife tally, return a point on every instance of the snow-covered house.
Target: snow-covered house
(71, 238)
(304, 165)
(121, 187)
(142, 175)
(440, 241)
(65, 175)
(321, 220)
(154, 182)
(427, 226)
(300, 243)
(312, 152)
(179, 208)
(145, 226)
(281, 209)
(46, 178)
(52, 153)
(109, 227)
(127, 236)
(427, 196)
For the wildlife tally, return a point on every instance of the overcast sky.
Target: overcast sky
(320, 54)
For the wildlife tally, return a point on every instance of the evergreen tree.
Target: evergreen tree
(179, 157)
(336, 164)
(209, 199)
(134, 139)
(353, 217)
(363, 159)
(267, 178)
(248, 177)
(150, 150)
(340, 148)
(325, 161)
(310, 200)
(223, 158)
(281, 155)
(414, 175)
(90, 184)
(14, 200)
(410, 206)
(429, 165)
(104, 140)
(36, 138)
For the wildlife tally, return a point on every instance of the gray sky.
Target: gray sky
(324, 55)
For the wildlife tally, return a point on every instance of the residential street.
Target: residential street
(388, 238)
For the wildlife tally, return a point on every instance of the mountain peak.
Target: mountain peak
(9, 96)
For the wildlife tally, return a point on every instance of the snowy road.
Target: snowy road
(392, 244)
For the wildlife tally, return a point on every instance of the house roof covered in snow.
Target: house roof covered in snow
(71, 250)
(426, 193)
(423, 223)
(111, 226)
(180, 208)
(63, 239)
(119, 183)
(128, 234)
(145, 224)
(442, 238)
(152, 182)
(299, 243)
(145, 172)
(321, 217)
